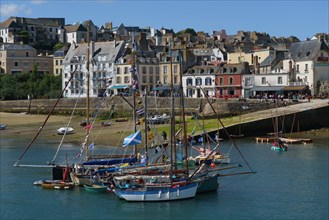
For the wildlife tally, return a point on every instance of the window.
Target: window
(297, 68)
(231, 80)
(151, 70)
(144, 69)
(165, 79)
(165, 69)
(126, 70)
(175, 80)
(306, 67)
(56, 62)
(280, 80)
(221, 81)
(198, 81)
(26, 54)
(26, 64)
(208, 81)
(118, 80)
(16, 63)
(175, 69)
(126, 79)
(118, 70)
(263, 80)
(189, 82)
(144, 80)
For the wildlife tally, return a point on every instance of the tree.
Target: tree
(190, 31)
(24, 35)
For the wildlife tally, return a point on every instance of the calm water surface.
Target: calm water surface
(288, 185)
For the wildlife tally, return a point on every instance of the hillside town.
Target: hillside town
(115, 60)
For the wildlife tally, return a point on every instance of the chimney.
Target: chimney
(290, 66)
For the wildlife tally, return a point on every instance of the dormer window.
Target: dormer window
(299, 54)
(308, 53)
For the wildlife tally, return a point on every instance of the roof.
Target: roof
(305, 50)
(108, 49)
(75, 28)
(267, 88)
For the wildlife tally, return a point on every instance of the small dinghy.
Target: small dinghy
(95, 188)
(62, 130)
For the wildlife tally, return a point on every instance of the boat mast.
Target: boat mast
(146, 125)
(87, 92)
(172, 116)
(183, 112)
(134, 88)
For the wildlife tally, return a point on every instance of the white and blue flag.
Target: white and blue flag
(133, 139)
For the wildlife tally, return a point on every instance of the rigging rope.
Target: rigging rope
(69, 122)
(40, 129)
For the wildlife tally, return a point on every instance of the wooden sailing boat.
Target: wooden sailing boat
(161, 187)
(278, 145)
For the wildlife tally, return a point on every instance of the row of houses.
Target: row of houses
(115, 69)
(121, 58)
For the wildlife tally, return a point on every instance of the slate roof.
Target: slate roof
(74, 28)
(104, 48)
(9, 46)
(267, 61)
(304, 50)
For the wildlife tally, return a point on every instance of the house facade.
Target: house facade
(40, 31)
(18, 58)
(199, 81)
(100, 71)
(308, 64)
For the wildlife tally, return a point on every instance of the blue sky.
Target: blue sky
(300, 18)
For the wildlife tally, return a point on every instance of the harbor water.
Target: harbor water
(286, 185)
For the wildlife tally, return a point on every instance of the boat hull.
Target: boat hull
(153, 194)
(207, 184)
(95, 188)
(60, 186)
(276, 148)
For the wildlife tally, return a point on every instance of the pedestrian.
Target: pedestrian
(164, 135)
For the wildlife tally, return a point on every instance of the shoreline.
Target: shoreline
(25, 126)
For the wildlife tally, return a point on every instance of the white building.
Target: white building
(308, 64)
(199, 81)
(103, 56)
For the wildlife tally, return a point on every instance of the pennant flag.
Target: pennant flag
(133, 139)
(88, 126)
(140, 111)
(91, 146)
(150, 135)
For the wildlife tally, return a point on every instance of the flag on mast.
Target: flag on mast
(133, 139)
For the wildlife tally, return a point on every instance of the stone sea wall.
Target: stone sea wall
(121, 107)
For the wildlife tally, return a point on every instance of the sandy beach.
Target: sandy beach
(26, 126)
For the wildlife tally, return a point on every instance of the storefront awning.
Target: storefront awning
(119, 87)
(294, 88)
(267, 88)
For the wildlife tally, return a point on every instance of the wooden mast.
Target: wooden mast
(172, 117)
(183, 113)
(87, 92)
